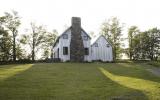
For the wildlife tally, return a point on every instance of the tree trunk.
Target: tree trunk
(33, 55)
(33, 52)
(130, 56)
(130, 47)
(14, 47)
(114, 53)
(130, 53)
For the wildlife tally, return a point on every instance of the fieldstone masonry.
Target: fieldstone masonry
(76, 45)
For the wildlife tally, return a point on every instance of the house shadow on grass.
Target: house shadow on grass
(63, 82)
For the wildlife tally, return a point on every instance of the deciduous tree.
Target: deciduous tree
(50, 39)
(112, 29)
(35, 39)
(132, 31)
(12, 22)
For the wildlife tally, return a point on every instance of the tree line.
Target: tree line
(13, 46)
(141, 45)
(144, 45)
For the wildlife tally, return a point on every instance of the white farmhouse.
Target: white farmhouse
(74, 45)
(102, 50)
(69, 47)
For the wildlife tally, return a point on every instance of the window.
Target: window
(65, 36)
(86, 51)
(85, 38)
(108, 45)
(96, 44)
(65, 50)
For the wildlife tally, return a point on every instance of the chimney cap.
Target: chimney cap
(76, 17)
(76, 20)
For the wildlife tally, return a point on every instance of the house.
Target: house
(74, 44)
(102, 50)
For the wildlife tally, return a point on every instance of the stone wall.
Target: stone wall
(76, 45)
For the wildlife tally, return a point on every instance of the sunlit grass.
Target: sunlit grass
(77, 81)
(150, 88)
(9, 71)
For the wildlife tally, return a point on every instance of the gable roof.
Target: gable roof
(57, 40)
(85, 33)
(99, 38)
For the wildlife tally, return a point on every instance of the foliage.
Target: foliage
(35, 39)
(11, 22)
(20, 53)
(132, 31)
(145, 45)
(112, 29)
(50, 39)
(6, 45)
(92, 34)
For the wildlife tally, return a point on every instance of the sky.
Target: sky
(56, 14)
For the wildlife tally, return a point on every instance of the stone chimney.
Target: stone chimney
(76, 45)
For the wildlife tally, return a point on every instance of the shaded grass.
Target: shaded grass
(77, 81)
(154, 63)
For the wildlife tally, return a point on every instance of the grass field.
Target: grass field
(155, 64)
(78, 81)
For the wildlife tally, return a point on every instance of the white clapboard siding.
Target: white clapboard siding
(102, 52)
(66, 43)
(86, 44)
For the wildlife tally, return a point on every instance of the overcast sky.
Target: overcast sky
(55, 14)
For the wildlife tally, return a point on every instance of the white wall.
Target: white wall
(87, 44)
(55, 51)
(102, 52)
(65, 43)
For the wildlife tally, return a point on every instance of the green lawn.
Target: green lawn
(78, 81)
(154, 63)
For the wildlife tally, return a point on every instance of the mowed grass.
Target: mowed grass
(154, 63)
(78, 81)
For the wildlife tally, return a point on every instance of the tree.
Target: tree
(20, 53)
(50, 39)
(146, 45)
(112, 29)
(138, 46)
(5, 42)
(132, 31)
(35, 39)
(92, 34)
(12, 22)
(46, 54)
(153, 43)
